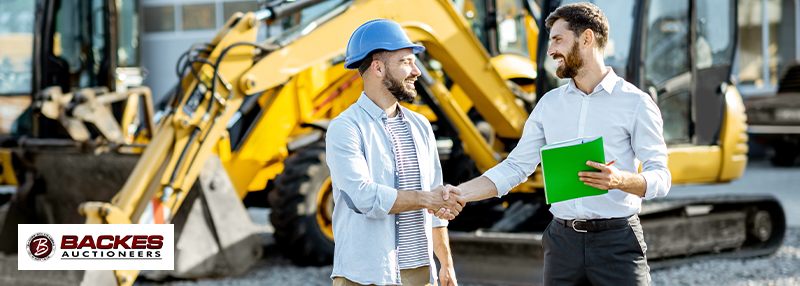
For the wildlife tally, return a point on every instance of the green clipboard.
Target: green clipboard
(561, 162)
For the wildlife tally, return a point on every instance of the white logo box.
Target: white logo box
(110, 252)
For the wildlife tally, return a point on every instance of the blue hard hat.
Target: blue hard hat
(378, 34)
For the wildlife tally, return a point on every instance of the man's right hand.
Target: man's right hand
(449, 204)
(449, 192)
(454, 202)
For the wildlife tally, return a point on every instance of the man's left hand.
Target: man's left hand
(608, 178)
(447, 276)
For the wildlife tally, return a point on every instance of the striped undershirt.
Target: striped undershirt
(413, 245)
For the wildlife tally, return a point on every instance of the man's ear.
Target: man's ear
(587, 38)
(377, 68)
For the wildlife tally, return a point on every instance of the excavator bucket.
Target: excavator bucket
(214, 234)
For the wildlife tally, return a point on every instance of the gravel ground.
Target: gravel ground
(780, 268)
(272, 270)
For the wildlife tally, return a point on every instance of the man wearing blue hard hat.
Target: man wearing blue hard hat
(385, 172)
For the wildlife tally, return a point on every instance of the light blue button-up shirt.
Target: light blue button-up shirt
(632, 129)
(364, 176)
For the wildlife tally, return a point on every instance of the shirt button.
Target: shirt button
(397, 223)
(586, 97)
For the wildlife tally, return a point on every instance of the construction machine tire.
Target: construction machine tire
(302, 207)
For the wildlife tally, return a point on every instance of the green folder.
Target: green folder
(561, 162)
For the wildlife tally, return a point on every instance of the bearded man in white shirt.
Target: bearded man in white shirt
(594, 240)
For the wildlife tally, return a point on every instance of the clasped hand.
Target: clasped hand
(448, 202)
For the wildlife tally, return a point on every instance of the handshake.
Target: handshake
(446, 202)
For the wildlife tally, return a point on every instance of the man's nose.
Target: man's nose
(415, 70)
(550, 50)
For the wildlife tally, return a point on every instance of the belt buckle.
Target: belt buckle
(578, 230)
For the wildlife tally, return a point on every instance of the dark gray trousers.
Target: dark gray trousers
(609, 257)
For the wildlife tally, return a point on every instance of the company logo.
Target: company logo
(40, 246)
(96, 246)
(142, 247)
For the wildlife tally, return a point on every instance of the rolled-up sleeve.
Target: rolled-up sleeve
(350, 172)
(522, 161)
(649, 147)
(437, 174)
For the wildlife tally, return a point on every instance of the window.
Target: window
(16, 46)
(308, 14)
(666, 52)
(667, 59)
(159, 19)
(713, 46)
(511, 28)
(676, 113)
(127, 33)
(199, 17)
(290, 27)
(620, 19)
(85, 53)
(751, 42)
(475, 11)
(232, 7)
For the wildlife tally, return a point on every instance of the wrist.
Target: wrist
(425, 200)
(624, 182)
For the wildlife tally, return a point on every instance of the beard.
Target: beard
(398, 88)
(572, 64)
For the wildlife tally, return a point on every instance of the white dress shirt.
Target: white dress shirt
(632, 129)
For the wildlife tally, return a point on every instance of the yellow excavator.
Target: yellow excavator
(251, 117)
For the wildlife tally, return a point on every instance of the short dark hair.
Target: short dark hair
(582, 16)
(379, 55)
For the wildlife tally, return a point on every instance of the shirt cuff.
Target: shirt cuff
(437, 222)
(651, 181)
(386, 198)
(500, 181)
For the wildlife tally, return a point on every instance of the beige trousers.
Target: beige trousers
(410, 277)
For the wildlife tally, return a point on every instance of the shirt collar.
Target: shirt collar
(370, 107)
(608, 83)
(374, 110)
(610, 80)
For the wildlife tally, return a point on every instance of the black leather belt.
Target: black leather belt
(594, 225)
